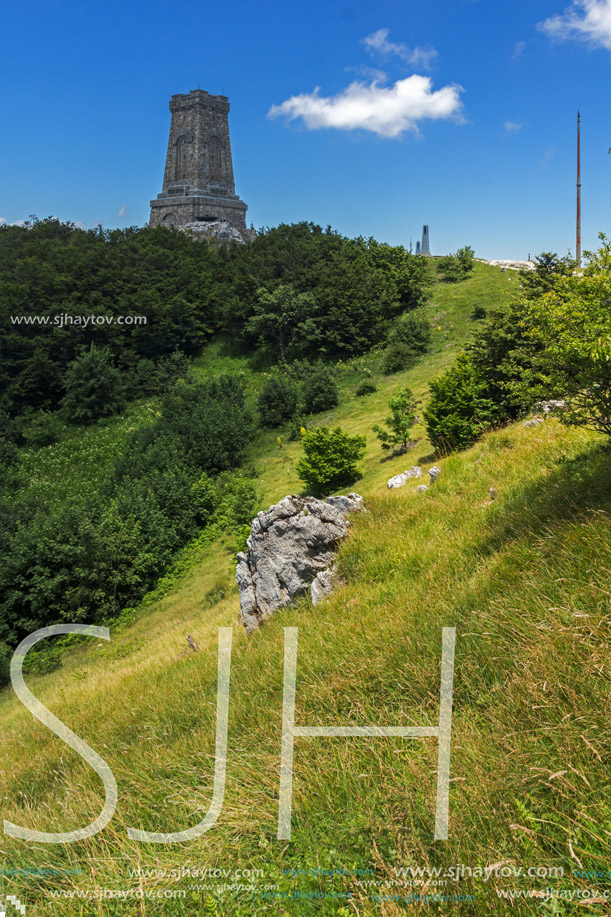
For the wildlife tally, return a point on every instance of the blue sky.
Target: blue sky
(373, 117)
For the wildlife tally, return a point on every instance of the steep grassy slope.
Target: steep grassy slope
(524, 579)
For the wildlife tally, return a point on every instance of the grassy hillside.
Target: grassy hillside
(524, 579)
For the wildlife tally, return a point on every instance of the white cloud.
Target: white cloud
(368, 73)
(123, 211)
(518, 49)
(585, 20)
(512, 127)
(549, 155)
(385, 110)
(378, 43)
(2, 221)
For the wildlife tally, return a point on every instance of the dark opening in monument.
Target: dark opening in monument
(214, 148)
(182, 158)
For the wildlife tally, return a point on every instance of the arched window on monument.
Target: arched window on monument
(182, 158)
(214, 158)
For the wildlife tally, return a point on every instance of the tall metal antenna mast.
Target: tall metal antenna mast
(578, 245)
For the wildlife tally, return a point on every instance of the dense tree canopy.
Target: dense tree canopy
(569, 323)
(147, 293)
(92, 556)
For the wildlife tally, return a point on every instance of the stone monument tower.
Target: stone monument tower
(198, 186)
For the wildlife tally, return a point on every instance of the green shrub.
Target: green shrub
(281, 316)
(43, 660)
(9, 454)
(238, 504)
(170, 368)
(548, 272)
(208, 421)
(504, 353)
(365, 388)
(478, 313)
(454, 268)
(400, 421)
(450, 268)
(397, 358)
(277, 402)
(149, 377)
(297, 426)
(94, 387)
(6, 654)
(460, 409)
(414, 331)
(320, 392)
(141, 379)
(204, 499)
(330, 459)
(42, 429)
(466, 258)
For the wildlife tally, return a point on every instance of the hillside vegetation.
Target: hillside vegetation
(512, 547)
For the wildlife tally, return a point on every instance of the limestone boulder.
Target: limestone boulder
(551, 407)
(400, 479)
(220, 230)
(288, 546)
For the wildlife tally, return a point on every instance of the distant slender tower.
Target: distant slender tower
(418, 247)
(578, 241)
(198, 183)
(425, 240)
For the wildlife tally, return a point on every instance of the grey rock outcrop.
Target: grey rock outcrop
(512, 265)
(550, 407)
(219, 229)
(422, 488)
(553, 406)
(349, 504)
(434, 473)
(400, 479)
(289, 545)
(322, 585)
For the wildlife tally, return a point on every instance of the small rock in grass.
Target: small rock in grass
(322, 585)
(400, 479)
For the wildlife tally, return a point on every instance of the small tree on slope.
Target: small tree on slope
(330, 459)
